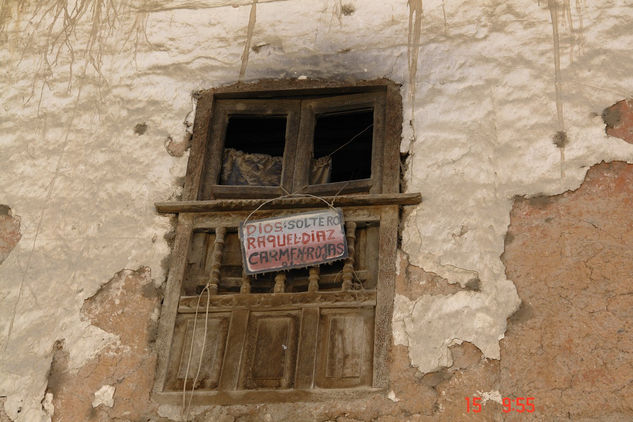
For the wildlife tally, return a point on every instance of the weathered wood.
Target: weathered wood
(340, 188)
(199, 143)
(234, 350)
(279, 301)
(345, 348)
(172, 296)
(370, 258)
(270, 350)
(228, 282)
(392, 138)
(184, 365)
(304, 147)
(378, 145)
(280, 283)
(348, 268)
(218, 247)
(223, 108)
(344, 336)
(195, 262)
(215, 152)
(232, 252)
(245, 285)
(386, 290)
(271, 396)
(289, 202)
(363, 216)
(246, 192)
(313, 279)
(290, 151)
(308, 335)
(299, 88)
(310, 109)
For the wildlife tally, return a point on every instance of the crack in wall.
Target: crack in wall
(252, 18)
(416, 11)
(10, 233)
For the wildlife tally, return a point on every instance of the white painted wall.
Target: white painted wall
(479, 120)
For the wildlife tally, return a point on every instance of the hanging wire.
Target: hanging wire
(291, 195)
(186, 407)
(350, 141)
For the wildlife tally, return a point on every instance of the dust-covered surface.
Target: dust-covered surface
(92, 92)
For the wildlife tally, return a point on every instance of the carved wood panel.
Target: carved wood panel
(271, 350)
(345, 352)
(267, 349)
(185, 362)
(260, 339)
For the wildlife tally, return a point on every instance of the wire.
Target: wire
(350, 141)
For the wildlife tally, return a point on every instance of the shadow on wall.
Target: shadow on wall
(619, 120)
(9, 231)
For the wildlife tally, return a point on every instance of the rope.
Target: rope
(187, 406)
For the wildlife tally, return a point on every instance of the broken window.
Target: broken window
(235, 338)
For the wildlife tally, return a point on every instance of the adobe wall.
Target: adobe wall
(509, 107)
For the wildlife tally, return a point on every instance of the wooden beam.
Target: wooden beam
(288, 202)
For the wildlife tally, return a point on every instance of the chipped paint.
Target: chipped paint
(104, 396)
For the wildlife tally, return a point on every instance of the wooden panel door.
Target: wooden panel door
(345, 354)
(184, 365)
(271, 350)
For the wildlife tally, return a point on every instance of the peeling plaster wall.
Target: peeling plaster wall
(96, 110)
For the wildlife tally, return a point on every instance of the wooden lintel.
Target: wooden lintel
(174, 207)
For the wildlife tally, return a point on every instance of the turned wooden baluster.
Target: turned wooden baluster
(218, 249)
(313, 284)
(280, 283)
(245, 288)
(348, 268)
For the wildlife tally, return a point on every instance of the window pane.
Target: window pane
(342, 146)
(253, 150)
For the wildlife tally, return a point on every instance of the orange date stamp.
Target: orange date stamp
(519, 404)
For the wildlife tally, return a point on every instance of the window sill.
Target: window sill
(266, 396)
(290, 202)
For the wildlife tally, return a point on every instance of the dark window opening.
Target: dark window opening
(253, 150)
(346, 137)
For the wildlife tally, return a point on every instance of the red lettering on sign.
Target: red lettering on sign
(295, 241)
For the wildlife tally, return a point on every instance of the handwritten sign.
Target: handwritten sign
(295, 241)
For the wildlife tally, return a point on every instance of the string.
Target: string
(186, 406)
(290, 195)
(350, 141)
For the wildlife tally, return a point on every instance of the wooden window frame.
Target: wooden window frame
(381, 201)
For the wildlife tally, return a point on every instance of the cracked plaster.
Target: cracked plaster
(481, 130)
